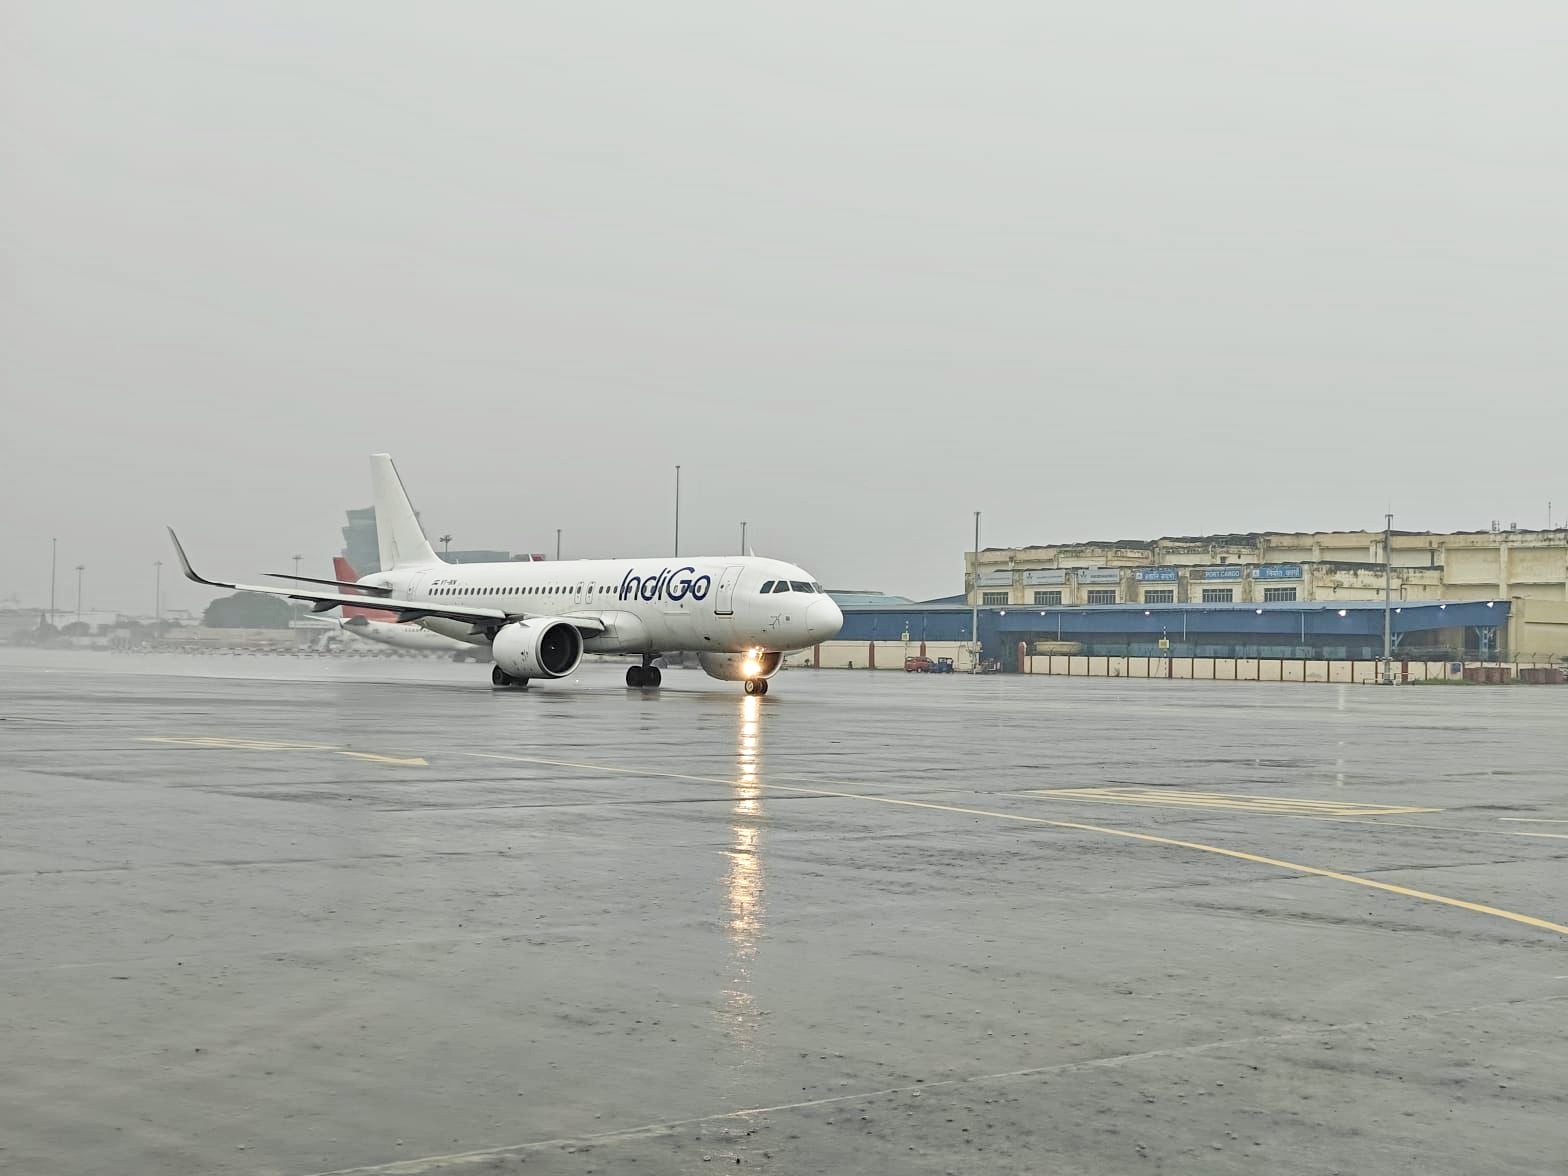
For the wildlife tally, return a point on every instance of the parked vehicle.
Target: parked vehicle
(917, 665)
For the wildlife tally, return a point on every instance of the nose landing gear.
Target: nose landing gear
(756, 685)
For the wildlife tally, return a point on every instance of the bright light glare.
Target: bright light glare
(751, 667)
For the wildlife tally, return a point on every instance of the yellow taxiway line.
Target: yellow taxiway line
(222, 743)
(1235, 801)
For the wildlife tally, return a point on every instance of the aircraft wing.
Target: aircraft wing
(407, 610)
(367, 589)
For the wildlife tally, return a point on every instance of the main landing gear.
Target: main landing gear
(645, 676)
(501, 680)
(756, 685)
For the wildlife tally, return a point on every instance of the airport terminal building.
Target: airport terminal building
(1480, 596)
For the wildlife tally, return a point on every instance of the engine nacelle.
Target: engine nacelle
(539, 648)
(739, 667)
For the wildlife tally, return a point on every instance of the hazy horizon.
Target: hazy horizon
(860, 271)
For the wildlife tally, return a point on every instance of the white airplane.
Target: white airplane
(739, 614)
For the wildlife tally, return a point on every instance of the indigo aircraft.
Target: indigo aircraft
(738, 614)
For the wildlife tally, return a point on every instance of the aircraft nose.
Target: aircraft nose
(823, 619)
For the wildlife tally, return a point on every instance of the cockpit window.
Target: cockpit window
(766, 588)
(781, 586)
(799, 586)
(818, 588)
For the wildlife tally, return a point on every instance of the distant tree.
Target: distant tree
(247, 610)
(77, 629)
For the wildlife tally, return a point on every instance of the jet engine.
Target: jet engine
(740, 667)
(538, 648)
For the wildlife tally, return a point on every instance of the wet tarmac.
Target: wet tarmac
(287, 916)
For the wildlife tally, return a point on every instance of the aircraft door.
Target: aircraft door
(724, 598)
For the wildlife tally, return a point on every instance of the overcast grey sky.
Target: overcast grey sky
(1097, 270)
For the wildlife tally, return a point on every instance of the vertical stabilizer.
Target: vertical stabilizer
(344, 572)
(398, 533)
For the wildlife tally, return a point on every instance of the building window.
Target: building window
(993, 598)
(1279, 594)
(1159, 596)
(1053, 596)
(1218, 595)
(1101, 596)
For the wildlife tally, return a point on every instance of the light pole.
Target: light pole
(297, 558)
(558, 545)
(54, 546)
(677, 510)
(1388, 599)
(157, 590)
(446, 544)
(974, 612)
(80, 568)
(743, 536)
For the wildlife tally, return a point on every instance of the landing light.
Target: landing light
(1341, 612)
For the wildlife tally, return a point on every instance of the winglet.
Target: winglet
(190, 572)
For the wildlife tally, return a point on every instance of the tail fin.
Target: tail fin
(398, 533)
(342, 570)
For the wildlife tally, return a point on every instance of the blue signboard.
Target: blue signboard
(1228, 572)
(1278, 572)
(1161, 575)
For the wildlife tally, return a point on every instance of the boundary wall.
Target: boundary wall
(889, 655)
(1273, 669)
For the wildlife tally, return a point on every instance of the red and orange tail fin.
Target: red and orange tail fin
(341, 570)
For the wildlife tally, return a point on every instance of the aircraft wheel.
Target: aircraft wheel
(499, 678)
(762, 685)
(652, 677)
(752, 684)
(634, 676)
